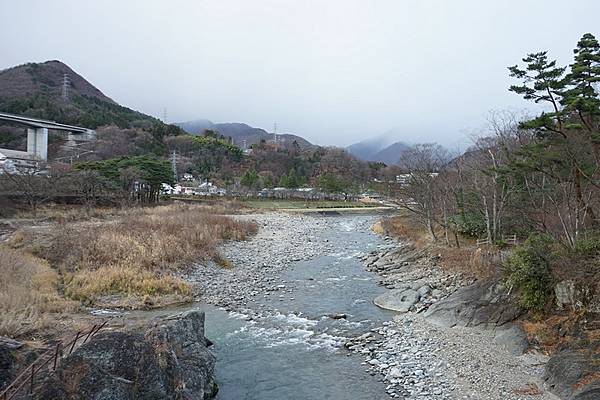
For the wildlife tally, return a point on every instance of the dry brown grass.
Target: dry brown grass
(137, 254)
(530, 389)
(29, 298)
(467, 260)
(63, 213)
(480, 263)
(405, 226)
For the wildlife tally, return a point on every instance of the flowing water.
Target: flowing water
(296, 352)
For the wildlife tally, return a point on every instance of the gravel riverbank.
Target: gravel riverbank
(282, 239)
(420, 360)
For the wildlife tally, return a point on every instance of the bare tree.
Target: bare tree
(420, 191)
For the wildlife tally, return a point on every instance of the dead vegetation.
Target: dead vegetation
(468, 260)
(131, 259)
(29, 297)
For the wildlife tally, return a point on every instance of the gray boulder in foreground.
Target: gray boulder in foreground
(482, 304)
(574, 373)
(512, 338)
(167, 360)
(400, 300)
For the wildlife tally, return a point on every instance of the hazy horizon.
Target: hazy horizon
(334, 72)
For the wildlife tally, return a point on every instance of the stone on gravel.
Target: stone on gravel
(512, 338)
(400, 300)
(481, 304)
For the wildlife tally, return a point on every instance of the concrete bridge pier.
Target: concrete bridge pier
(37, 142)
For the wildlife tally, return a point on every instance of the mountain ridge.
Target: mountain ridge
(241, 132)
(378, 149)
(36, 90)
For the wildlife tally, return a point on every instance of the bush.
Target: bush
(588, 247)
(528, 270)
(469, 224)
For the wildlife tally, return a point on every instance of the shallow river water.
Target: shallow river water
(293, 349)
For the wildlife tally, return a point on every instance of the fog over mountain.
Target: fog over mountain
(333, 72)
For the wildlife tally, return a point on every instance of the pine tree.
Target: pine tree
(542, 81)
(582, 99)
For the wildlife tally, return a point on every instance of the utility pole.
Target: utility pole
(65, 86)
(275, 132)
(174, 164)
(165, 115)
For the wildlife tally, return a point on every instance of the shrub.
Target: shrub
(588, 247)
(469, 224)
(528, 270)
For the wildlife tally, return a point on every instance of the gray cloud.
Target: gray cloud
(333, 71)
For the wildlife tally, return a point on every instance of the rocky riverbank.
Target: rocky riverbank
(445, 356)
(282, 239)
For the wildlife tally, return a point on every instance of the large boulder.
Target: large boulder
(169, 359)
(574, 373)
(400, 300)
(512, 338)
(7, 359)
(564, 292)
(485, 305)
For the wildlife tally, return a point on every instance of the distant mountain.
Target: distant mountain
(241, 132)
(36, 90)
(378, 149)
(195, 127)
(366, 149)
(391, 154)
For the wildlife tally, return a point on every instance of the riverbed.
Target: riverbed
(290, 344)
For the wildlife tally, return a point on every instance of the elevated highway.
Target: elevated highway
(37, 136)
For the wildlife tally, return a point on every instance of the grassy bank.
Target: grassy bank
(29, 296)
(466, 259)
(128, 259)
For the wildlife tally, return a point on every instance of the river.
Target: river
(293, 349)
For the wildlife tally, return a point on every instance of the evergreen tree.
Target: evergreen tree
(582, 97)
(250, 179)
(543, 82)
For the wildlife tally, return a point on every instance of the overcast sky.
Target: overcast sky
(333, 71)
